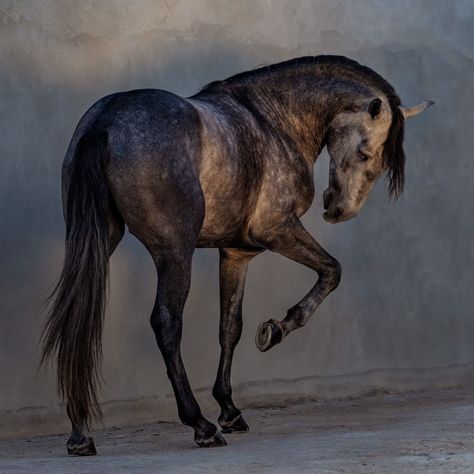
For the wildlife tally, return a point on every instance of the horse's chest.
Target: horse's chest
(236, 201)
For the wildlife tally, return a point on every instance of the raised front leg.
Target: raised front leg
(232, 272)
(293, 241)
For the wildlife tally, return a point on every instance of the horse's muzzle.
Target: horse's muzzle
(333, 215)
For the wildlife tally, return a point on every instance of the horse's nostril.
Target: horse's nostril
(337, 212)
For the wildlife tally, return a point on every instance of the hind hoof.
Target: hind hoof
(213, 442)
(83, 447)
(268, 335)
(237, 425)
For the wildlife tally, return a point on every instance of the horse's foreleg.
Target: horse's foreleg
(293, 241)
(174, 276)
(232, 271)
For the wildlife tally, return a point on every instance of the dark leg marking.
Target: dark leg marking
(293, 241)
(232, 272)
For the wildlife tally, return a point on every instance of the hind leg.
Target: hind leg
(160, 198)
(174, 276)
(170, 232)
(80, 442)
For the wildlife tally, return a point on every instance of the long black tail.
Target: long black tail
(73, 332)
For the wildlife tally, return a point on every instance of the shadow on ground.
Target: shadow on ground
(428, 432)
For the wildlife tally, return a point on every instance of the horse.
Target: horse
(231, 168)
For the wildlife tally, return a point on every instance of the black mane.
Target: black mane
(394, 155)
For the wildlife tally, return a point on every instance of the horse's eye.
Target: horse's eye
(363, 156)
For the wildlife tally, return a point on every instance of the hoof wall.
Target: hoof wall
(213, 442)
(237, 425)
(85, 447)
(268, 335)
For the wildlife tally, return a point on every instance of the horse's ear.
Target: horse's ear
(374, 107)
(416, 110)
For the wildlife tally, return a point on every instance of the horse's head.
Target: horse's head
(363, 144)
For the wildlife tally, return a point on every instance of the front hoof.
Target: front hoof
(83, 446)
(213, 442)
(268, 335)
(237, 425)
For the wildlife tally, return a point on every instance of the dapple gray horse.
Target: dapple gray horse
(230, 167)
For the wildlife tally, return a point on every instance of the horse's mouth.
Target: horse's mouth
(330, 218)
(335, 216)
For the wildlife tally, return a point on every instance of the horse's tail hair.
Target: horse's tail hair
(73, 331)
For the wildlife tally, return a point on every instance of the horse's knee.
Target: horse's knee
(230, 337)
(332, 273)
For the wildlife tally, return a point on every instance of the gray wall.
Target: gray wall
(402, 317)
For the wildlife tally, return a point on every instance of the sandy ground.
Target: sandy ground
(430, 432)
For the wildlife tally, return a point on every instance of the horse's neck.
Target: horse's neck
(302, 116)
(303, 106)
(299, 104)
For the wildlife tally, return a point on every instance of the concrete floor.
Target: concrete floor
(429, 432)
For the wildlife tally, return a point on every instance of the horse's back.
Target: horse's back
(140, 124)
(149, 122)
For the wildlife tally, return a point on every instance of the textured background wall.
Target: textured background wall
(403, 315)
